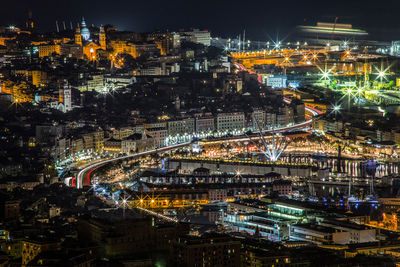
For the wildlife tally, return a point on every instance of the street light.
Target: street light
(336, 108)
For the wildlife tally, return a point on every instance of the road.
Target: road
(90, 168)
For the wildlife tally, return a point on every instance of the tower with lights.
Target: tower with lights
(78, 36)
(64, 98)
(102, 38)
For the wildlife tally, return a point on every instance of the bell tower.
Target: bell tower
(78, 36)
(102, 38)
(64, 98)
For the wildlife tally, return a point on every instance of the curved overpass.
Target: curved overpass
(89, 169)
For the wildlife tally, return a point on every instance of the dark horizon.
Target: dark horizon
(261, 19)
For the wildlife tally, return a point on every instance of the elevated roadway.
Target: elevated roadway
(85, 172)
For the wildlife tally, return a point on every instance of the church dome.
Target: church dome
(84, 31)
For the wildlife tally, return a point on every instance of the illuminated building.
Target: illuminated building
(78, 36)
(166, 42)
(123, 133)
(270, 118)
(123, 47)
(205, 124)
(217, 195)
(137, 142)
(112, 145)
(4, 39)
(181, 127)
(21, 92)
(239, 84)
(49, 49)
(102, 38)
(119, 81)
(82, 38)
(276, 81)
(128, 146)
(283, 221)
(230, 121)
(77, 146)
(196, 36)
(259, 116)
(133, 49)
(30, 249)
(95, 83)
(37, 77)
(394, 49)
(64, 100)
(149, 71)
(332, 233)
(93, 141)
(327, 125)
(98, 140)
(89, 50)
(159, 134)
(170, 198)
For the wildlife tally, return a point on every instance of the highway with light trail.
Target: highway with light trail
(89, 169)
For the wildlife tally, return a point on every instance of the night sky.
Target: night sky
(225, 18)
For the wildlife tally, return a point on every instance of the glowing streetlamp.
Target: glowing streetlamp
(381, 75)
(325, 73)
(336, 108)
(124, 204)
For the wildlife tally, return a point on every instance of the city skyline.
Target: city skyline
(261, 19)
(237, 134)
